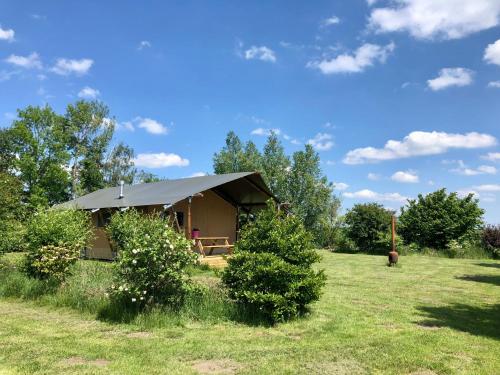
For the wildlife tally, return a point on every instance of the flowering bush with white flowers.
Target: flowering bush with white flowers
(152, 260)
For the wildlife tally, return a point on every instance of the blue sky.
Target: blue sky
(398, 97)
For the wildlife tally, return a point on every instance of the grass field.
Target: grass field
(426, 316)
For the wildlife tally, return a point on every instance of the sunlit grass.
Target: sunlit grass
(428, 315)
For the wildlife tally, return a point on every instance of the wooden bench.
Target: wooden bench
(213, 244)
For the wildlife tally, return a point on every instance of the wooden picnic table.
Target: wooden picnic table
(199, 243)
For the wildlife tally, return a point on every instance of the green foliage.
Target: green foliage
(54, 241)
(299, 181)
(12, 237)
(38, 153)
(271, 286)
(12, 212)
(438, 218)
(490, 237)
(119, 165)
(368, 225)
(88, 131)
(235, 158)
(152, 261)
(271, 271)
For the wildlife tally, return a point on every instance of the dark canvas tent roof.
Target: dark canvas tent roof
(243, 189)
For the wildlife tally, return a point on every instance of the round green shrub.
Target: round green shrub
(152, 261)
(271, 271)
(54, 239)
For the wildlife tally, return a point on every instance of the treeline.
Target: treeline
(438, 223)
(48, 158)
(296, 180)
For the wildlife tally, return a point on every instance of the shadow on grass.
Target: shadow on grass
(480, 321)
(490, 265)
(489, 279)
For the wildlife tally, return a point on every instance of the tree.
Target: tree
(272, 269)
(437, 218)
(366, 224)
(38, 154)
(143, 177)
(276, 167)
(89, 131)
(119, 165)
(308, 190)
(234, 157)
(252, 159)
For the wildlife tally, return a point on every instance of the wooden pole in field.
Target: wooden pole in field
(189, 218)
(393, 233)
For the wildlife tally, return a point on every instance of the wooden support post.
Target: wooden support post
(237, 222)
(189, 218)
(393, 233)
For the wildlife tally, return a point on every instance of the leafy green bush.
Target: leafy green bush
(491, 239)
(438, 218)
(367, 225)
(271, 271)
(12, 238)
(152, 260)
(54, 241)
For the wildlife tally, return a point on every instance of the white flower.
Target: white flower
(144, 292)
(142, 298)
(134, 261)
(120, 288)
(133, 300)
(135, 251)
(171, 247)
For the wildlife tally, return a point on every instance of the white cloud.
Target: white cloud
(260, 53)
(127, 125)
(67, 66)
(151, 126)
(488, 187)
(321, 141)
(340, 186)
(88, 93)
(160, 160)
(198, 174)
(492, 53)
(464, 170)
(7, 34)
(29, 62)
(366, 194)
(365, 56)
(408, 177)
(373, 176)
(144, 44)
(494, 84)
(6, 75)
(265, 132)
(419, 143)
(436, 19)
(491, 156)
(333, 20)
(449, 77)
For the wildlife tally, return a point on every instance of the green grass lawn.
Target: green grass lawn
(428, 315)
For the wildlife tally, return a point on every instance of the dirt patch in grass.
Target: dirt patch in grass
(343, 367)
(224, 366)
(76, 361)
(423, 372)
(140, 335)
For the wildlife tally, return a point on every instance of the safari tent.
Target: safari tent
(206, 207)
